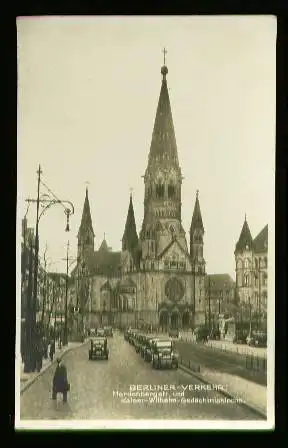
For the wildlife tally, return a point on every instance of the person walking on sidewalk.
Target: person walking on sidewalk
(52, 350)
(60, 381)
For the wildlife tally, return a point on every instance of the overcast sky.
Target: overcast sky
(88, 89)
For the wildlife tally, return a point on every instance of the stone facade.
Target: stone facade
(157, 278)
(251, 259)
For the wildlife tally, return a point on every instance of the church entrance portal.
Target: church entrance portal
(175, 321)
(186, 320)
(164, 320)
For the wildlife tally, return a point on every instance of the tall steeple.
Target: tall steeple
(245, 241)
(130, 237)
(163, 147)
(196, 232)
(86, 233)
(163, 179)
(197, 222)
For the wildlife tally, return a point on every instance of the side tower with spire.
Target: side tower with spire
(86, 233)
(244, 265)
(130, 247)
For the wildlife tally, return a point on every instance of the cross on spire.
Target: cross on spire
(164, 51)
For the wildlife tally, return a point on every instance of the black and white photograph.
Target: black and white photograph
(145, 222)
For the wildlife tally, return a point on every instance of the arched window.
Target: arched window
(246, 263)
(159, 190)
(239, 264)
(171, 191)
(246, 279)
(265, 262)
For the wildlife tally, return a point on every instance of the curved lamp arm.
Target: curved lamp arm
(50, 202)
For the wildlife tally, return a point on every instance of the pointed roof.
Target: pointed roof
(261, 240)
(245, 238)
(197, 222)
(86, 220)
(163, 145)
(130, 237)
(104, 246)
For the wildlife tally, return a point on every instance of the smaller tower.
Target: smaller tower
(196, 234)
(86, 233)
(130, 237)
(244, 263)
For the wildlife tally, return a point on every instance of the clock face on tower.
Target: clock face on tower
(174, 290)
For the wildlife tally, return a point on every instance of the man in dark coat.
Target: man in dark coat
(60, 381)
(52, 350)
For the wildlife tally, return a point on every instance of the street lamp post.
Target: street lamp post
(68, 265)
(47, 203)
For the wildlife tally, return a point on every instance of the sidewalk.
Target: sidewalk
(27, 379)
(228, 346)
(253, 395)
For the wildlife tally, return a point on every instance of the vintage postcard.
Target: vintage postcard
(145, 222)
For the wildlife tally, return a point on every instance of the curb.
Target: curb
(32, 380)
(222, 392)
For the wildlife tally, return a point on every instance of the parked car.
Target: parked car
(164, 355)
(240, 337)
(257, 339)
(148, 354)
(98, 349)
(173, 333)
(108, 331)
(127, 333)
(100, 333)
(201, 334)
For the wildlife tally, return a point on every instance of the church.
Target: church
(158, 277)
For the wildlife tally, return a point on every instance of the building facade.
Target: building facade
(220, 295)
(158, 276)
(251, 259)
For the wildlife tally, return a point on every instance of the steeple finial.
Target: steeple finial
(164, 69)
(87, 183)
(197, 194)
(131, 191)
(164, 52)
(245, 217)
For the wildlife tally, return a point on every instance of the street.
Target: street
(96, 387)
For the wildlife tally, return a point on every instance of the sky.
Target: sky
(88, 89)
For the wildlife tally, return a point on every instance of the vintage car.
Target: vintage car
(98, 348)
(108, 332)
(148, 351)
(164, 355)
(127, 334)
(132, 336)
(100, 333)
(257, 339)
(138, 341)
(173, 333)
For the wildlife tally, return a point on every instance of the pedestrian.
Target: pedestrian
(52, 350)
(39, 356)
(60, 381)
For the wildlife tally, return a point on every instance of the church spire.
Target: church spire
(197, 222)
(130, 237)
(163, 147)
(245, 240)
(86, 220)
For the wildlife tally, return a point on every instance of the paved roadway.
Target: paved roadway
(224, 361)
(93, 383)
